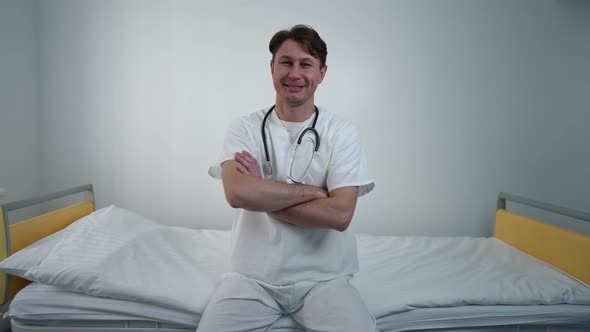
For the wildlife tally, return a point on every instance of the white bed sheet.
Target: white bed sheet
(49, 306)
(563, 317)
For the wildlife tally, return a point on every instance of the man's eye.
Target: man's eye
(285, 62)
(306, 65)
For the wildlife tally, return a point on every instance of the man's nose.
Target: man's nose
(295, 72)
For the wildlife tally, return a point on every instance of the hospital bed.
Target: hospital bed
(397, 279)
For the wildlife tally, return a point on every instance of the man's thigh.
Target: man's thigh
(239, 304)
(335, 306)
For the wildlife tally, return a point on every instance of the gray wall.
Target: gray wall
(456, 101)
(20, 153)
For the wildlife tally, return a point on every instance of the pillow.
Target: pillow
(33, 255)
(138, 260)
(21, 261)
(119, 254)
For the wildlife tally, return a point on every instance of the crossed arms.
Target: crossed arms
(298, 204)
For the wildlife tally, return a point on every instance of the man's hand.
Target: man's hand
(249, 164)
(335, 212)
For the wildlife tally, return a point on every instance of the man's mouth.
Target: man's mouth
(294, 87)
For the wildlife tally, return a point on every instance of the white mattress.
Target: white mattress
(48, 305)
(45, 305)
(39, 304)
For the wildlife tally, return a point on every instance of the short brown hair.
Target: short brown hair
(304, 35)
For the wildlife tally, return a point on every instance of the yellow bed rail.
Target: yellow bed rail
(562, 248)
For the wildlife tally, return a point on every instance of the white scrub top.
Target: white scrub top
(280, 253)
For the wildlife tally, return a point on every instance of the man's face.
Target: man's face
(295, 73)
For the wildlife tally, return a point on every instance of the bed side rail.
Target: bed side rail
(503, 197)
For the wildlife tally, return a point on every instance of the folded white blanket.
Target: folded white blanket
(115, 253)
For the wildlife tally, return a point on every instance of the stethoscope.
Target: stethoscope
(267, 167)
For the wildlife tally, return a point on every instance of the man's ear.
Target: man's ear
(272, 66)
(323, 73)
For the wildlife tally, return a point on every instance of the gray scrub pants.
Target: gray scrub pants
(241, 303)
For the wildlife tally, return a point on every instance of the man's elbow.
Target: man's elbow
(233, 185)
(343, 222)
(234, 195)
(235, 199)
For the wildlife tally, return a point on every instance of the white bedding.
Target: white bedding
(106, 254)
(45, 305)
(48, 305)
(430, 272)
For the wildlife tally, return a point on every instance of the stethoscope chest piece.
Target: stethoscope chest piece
(267, 168)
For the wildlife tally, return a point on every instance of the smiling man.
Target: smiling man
(294, 173)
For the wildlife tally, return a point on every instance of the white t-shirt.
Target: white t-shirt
(294, 128)
(280, 253)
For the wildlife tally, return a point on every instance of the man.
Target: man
(294, 172)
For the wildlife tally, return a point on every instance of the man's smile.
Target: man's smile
(294, 87)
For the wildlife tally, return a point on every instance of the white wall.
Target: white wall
(455, 100)
(20, 172)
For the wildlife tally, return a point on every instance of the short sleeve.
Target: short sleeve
(238, 138)
(348, 165)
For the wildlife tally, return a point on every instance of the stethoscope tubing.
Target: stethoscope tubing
(267, 168)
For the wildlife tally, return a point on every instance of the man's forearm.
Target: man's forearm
(334, 212)
(256, 194)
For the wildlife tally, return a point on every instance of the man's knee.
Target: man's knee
(335, 306)
(238, 303)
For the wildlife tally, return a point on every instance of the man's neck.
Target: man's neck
(294, 113)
